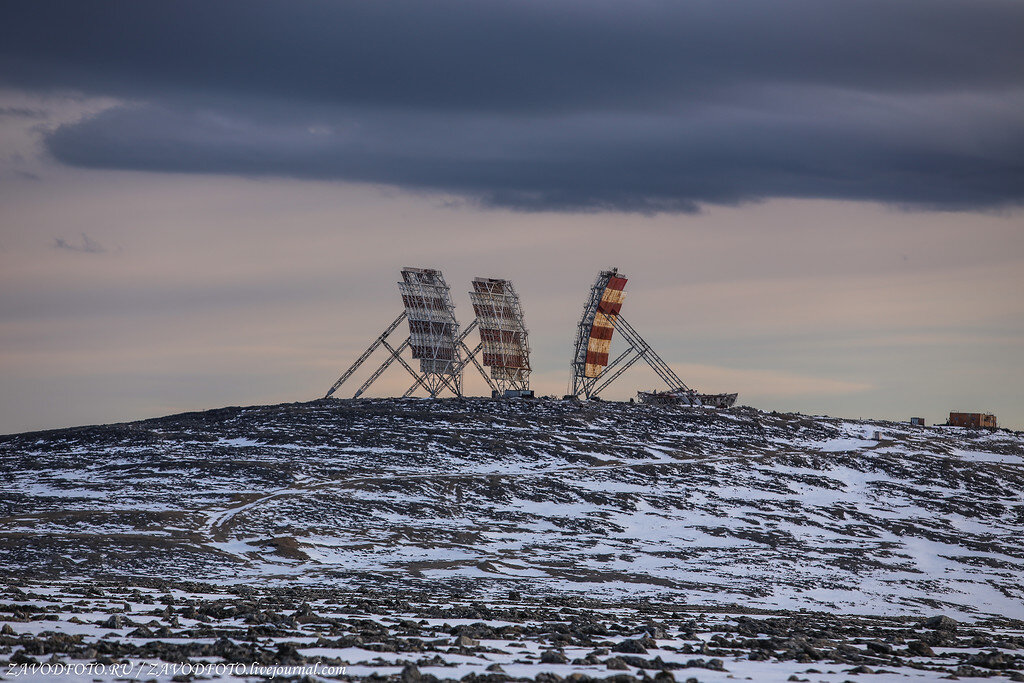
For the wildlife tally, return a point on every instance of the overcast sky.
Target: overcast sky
(817, 203)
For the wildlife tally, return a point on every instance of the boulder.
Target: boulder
(633, 647)
(941, 623)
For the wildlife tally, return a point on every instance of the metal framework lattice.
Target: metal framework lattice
(433, 330)
(503, 334)
(594, 331)
(434, 338)
(592, 372)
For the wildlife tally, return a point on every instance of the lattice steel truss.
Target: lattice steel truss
(591, 370)
(594, 331)
(434, 338)
(433, 330)
(503, 334)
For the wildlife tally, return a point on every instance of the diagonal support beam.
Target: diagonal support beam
(366, 354)
(471, 355)
(656, 362)
(618, 372)
(588, 383)
(460, 341)
(419, 383)
(384, 366)
(398, 356)
(611, 366)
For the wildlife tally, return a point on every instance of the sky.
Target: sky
(818, 204)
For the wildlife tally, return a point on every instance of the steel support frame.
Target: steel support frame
(470, 358)
(581, 384)
(498, 309)
(591, 387)
(421, 379)
(433, 328)
(366, 354)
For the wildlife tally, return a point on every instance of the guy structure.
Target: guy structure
(591, 370)
(437, 343)
(503, 335)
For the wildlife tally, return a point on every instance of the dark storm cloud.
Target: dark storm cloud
(643, 106)
(23, 112)
(673, 161)
(86, 245)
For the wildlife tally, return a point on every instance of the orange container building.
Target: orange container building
(980, 420)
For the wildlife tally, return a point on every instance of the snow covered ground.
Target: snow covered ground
(467, 500)
(609, 499)
(111, 631)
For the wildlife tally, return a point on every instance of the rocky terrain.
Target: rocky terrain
(525, 539)
(119, 631)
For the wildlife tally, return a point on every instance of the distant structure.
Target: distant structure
(917, 422)
(979, 420)
(503, 336)
(436, 342)
(594, 332)
(433, 330)
(591, 370)
(433, 337)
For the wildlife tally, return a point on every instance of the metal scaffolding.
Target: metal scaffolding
(592, 372)
(434, 339)
(503, 335)
(594, 332)
(433, 330)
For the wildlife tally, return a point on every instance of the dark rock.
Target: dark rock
(634, 647)
(477, 631)
(616, 663)
(288, 654)
(287, 547)
(991, 660)
(966, 671)
(919, 648)
(410, 674)
(636, 662)
(548, 677)
(941, 623)
(115, 621)
(553, 657)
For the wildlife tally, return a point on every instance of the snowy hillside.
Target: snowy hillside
(477, 497)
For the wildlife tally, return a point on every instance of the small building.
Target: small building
(917, 422)
(980, 420)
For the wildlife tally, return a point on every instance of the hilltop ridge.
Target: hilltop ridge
(480, 496)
